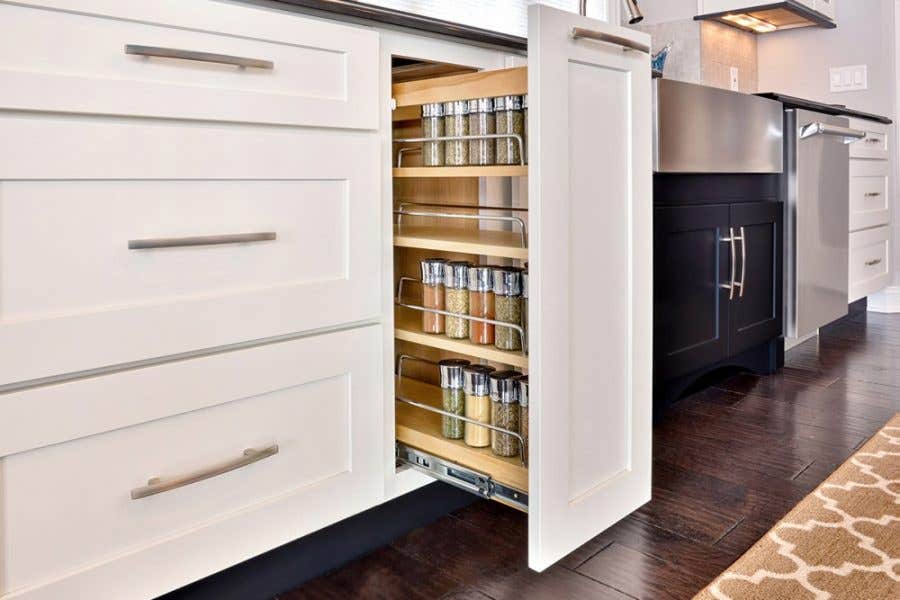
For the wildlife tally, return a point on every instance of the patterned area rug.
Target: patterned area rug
(841, 542)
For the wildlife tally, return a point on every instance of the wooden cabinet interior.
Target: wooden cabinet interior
(455, 191)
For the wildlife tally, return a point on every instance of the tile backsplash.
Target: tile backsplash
(704, 52)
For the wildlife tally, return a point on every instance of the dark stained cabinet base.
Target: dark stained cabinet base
(718, 254)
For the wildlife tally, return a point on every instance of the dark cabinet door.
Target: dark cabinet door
(756, 310)
(690, 305)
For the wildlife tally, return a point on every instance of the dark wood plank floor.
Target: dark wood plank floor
(728, 463)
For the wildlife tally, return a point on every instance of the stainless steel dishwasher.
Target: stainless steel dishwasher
(816, 191)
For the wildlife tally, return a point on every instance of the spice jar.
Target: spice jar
(522, 395)
(433, 294)
(507, 307)
(504, 412)
(433, 126)
(481, 304)
(525, 126)
(454, 398)
(482, 122)
(525, 301)
(476, 385)
(510, 119)
(456, 298)
(456, 122)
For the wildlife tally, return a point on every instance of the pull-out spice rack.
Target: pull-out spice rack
(459, 138)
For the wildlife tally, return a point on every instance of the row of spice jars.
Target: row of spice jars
(480, 291)
(480, 116)
(481, 393)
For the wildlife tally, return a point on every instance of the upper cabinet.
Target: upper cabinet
(765, 17)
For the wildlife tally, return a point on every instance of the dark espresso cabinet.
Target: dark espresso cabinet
(717, 290)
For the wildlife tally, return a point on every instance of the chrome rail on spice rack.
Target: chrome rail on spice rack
(459, 138)
(444, 215)
(402, 357)
(515, 327)
(466, 419)
(402, 151)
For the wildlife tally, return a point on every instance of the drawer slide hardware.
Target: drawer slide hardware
(399, 302)
(461, 477)
(157, 485)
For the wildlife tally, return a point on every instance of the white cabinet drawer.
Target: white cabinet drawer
(870, 264)
(72, 529)
(321, 74)
(875, 144)
(67, 274)
(869, 200)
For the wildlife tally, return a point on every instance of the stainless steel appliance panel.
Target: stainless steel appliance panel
(817, 220)
(700, 129)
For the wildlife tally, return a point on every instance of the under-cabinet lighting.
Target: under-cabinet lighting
(749, 22)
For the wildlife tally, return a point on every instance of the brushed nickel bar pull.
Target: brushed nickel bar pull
(872, 194)
(599, 36)
(872, 263)
(158, 486)
(743, 239)
(210, 57)
(730, 286)
(202, 240)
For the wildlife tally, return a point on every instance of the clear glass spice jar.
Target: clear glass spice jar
(477, 388)
(456, 298)
(482, 122)
(433, 294)
(433, 126)
(504, 412)
(456, 122)
(481, 304)
(525, 301)
(454, 398)
(522, 395)
(525, 128)
(510, 119)
(507, 307)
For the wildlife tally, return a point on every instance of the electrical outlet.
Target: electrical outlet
(849, 79)
(735, 79)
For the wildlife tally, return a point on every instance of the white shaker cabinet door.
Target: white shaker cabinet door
(591, 264)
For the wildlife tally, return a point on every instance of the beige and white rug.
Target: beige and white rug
(842, 542)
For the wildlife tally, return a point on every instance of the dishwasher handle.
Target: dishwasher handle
(818, 128)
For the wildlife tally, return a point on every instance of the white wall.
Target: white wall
(796, 62)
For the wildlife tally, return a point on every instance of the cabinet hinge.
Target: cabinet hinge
(462, 477)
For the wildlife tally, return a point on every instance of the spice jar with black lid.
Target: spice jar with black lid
(454, 398)
(510, 119)
(522, 395)
(456, 298)
(482, 122)
(456, 123)
(504, 412)
(433, 294)
(481, 304)
(508, 307)
(477, 388)
(433, 126)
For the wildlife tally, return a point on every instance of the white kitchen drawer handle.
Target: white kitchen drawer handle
(157, 485)
(599, 36)
(202, 240)
(222, 59)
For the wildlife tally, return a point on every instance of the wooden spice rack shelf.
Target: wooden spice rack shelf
(502, 244)
(408, 328)
(488, 171)
(481, 84)
(422, 429)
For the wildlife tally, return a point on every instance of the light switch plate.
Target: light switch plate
(849, 79)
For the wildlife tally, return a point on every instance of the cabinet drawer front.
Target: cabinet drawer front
(67, 273)
(299, 71)
(70, 520)
(869, 200)
(874, 145)
(870, 268)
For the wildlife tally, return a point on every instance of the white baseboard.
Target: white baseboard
(885, 301)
